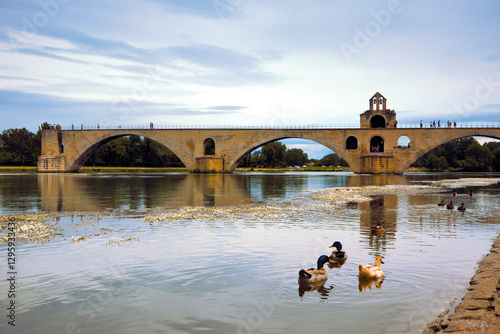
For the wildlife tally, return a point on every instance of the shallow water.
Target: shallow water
(220, 253)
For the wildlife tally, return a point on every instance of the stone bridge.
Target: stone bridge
(372, 148)
(67, 150)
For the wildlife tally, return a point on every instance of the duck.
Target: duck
(454, 193)
(339, 255)
(442, 203)
(450, 205)
(372, 271)
(462, 207)
(377, 228)
(316, 276)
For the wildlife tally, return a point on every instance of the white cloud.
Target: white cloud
(276, 63)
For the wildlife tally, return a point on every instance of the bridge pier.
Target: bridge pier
(209, 164)
(377, 164)
(51, 164)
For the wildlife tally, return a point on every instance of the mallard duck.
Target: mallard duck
(372, 271)
(462, 207)
(377, 228)
(315, 276)
(450, 205)
(339, 256)
(442, 203)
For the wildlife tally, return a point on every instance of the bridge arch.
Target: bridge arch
(444, 138)
(248, 148)
(79, 156)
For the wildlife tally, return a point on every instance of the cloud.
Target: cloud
(492, 58)
(242, 62)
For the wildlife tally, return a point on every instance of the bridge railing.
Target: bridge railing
(274, 127)
(452, 126)
(215, 127)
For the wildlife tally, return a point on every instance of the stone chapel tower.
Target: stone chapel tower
(378, 116)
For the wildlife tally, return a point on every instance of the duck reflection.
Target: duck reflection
(377, 229)
(322, 290)
(368, 282)
(378, 221)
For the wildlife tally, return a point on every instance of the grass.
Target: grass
(100, 169)
(18, 169)
(287, 169)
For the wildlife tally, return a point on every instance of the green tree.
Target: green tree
(20, 145)
(453, 151)
(433, 162)
(442, 164)
(295, 157)
(274, 154)
(478, 158)
(332, 159)
(496, 159)
(133, 151)
(258, 159)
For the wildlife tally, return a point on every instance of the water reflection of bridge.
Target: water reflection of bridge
(84, 192)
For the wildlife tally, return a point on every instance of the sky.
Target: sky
(246, 62)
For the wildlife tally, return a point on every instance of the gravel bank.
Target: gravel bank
(479, 310)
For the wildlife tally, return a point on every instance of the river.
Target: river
(184, 253)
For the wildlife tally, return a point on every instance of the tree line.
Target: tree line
(465, 154)
(277, 155)
(22, 147)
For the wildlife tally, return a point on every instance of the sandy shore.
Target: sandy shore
(479, 310)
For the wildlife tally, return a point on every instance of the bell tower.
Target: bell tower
(378, 116)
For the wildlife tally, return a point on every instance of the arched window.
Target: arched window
(377, 121)
(404, 141)
(209, 144)
(351, 143)
(377, 144)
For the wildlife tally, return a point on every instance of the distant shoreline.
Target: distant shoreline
(104, 169)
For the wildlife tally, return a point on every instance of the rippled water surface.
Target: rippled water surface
(181, 253)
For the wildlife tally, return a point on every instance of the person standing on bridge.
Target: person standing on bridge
(395, 124)
(421, 124)
(439, 123)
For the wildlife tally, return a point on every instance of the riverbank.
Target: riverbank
(98, 169)
(479, 310)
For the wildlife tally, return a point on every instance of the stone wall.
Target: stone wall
(209, 165)
(51, 164)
